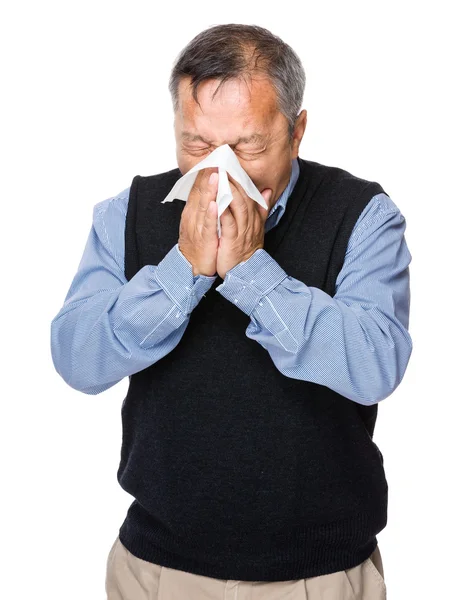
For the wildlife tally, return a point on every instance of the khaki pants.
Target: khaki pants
(131, 578)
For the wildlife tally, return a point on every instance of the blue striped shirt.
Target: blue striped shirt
(356, 342)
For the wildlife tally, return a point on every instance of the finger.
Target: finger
(197, 192)
(228, 224)
(209, 228)
(199, 186)
(207, 195)
(208, 189)
(238, 186)
(240, 207)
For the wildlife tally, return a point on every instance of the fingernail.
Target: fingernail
(213, 177)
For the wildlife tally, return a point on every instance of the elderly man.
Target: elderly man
(256, 360)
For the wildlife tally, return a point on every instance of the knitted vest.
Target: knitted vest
(238, 471)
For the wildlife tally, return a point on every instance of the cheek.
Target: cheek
(185, 162)
(259, 173)
(184, 166)
(265, 179)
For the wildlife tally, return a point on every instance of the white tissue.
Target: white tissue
(225, 159)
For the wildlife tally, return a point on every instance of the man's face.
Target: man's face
(245, 116)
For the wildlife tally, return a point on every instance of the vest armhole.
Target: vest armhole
(131, 246)
(351, 216)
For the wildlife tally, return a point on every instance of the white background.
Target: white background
(85, 107)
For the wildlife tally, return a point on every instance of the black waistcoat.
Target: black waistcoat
(239, 472)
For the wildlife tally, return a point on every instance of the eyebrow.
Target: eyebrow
(254, 137)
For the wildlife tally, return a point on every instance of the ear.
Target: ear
(299, 129)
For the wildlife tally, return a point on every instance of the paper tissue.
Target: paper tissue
(225, 159)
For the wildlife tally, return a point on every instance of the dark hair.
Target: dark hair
(233, 51)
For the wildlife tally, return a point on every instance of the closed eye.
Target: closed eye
(197, 151)
(251, 154)
(200, 151)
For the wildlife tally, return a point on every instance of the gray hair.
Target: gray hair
(227, 52)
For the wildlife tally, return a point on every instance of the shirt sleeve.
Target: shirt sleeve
(109, 327)
(357, 342)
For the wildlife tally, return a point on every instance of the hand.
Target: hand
(242, 226)
(198, 239)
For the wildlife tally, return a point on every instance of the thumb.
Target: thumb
(267, 195)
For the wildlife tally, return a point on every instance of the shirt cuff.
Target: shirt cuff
(174, 273)
(246, 283)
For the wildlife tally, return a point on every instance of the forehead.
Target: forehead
(249, 106)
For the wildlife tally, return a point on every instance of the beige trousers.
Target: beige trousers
(131, 578)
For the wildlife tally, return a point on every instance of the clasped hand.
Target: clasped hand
(242, 224)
